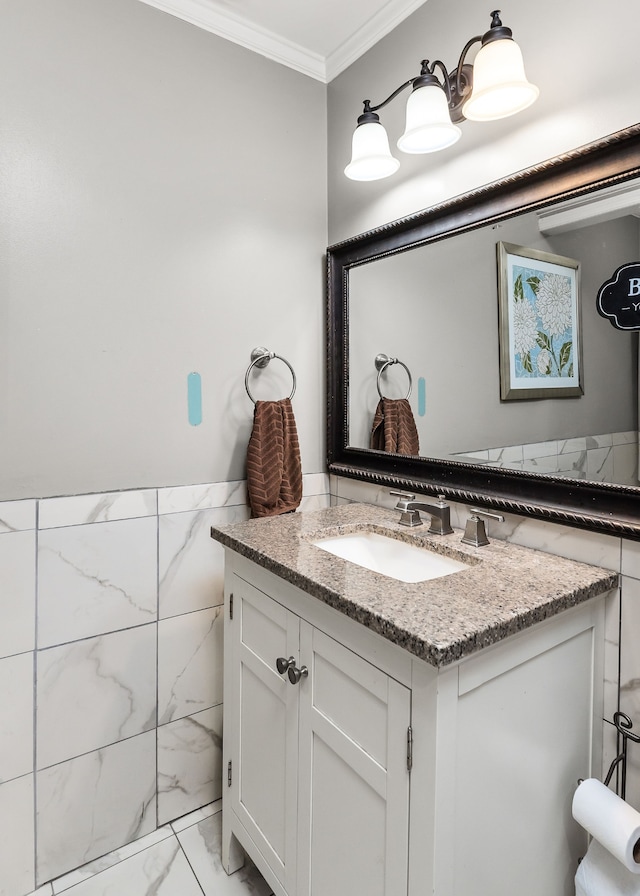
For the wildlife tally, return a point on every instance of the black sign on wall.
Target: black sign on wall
(619, 298)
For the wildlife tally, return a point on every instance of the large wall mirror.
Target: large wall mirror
(431, 291)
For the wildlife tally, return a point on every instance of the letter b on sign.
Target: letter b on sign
(634, 286)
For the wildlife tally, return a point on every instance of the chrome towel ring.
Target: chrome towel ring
(382, 362)
(260, 357)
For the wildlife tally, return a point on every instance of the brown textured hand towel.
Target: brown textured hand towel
(394, 428)
(274, 471)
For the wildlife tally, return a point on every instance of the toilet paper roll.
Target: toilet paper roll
(614, 823)
(600, 874)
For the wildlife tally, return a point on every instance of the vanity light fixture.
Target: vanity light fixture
(494, 87)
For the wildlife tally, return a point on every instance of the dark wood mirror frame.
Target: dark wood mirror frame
(611, 509)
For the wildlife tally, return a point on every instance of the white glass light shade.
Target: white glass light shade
(371, 157)
(500, 86)
(428, 125)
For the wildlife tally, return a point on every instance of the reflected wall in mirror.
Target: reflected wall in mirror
(425, 290)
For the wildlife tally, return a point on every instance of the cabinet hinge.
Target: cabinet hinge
(231, 606)
(229, 774)
(409, 748)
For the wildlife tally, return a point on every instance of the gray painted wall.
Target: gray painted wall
(436, 308)
(163, 197)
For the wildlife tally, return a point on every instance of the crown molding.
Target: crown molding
(378, 26)
(239, 31)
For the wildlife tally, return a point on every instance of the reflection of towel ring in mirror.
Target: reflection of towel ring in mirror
(260, 357)
(384, 361)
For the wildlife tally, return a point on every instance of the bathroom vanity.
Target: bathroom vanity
(388, 737)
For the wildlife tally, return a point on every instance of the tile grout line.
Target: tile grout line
(191, 868)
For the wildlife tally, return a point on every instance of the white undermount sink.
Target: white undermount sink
(390, 556)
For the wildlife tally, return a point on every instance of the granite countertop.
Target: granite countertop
(505, 589)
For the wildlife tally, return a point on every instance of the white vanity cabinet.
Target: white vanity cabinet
(380, 774)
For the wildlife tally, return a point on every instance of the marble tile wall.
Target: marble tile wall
(110, 669)
(608, 457)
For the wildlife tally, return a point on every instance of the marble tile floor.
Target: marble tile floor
(179, 859)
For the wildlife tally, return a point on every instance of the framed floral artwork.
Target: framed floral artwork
(539, 324)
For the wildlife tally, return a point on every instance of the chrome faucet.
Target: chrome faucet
(410, 513)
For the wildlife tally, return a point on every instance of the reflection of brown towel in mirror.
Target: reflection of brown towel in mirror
(394, 428)
(274, 471)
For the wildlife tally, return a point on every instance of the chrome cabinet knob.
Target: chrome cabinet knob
(282, 664)
(296, 674)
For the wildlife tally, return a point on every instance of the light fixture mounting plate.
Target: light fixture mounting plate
(460, 84)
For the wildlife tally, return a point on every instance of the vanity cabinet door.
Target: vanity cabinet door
(353, 803)
(262, 737)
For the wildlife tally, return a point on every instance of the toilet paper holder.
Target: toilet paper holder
(623, 725)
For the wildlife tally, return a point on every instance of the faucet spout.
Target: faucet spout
(439, 512)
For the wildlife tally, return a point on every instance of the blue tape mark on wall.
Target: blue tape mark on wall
(422, 397)
(194, 398)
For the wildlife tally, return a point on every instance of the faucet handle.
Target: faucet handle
(403, 496)
(477, 511)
